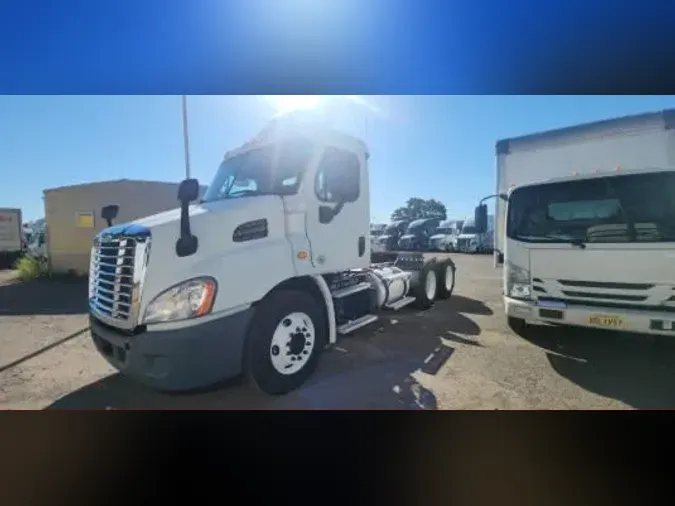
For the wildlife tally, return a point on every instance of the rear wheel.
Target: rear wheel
(285, 341)
(427, 287)
(446, 280)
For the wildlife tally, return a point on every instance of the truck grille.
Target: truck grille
(606, 294)
(463, 243)
(114, 282)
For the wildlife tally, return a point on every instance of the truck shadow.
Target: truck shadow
(375, 368)
(43, 297)
(471, 306)
(635, 369)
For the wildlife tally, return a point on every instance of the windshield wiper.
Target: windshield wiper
(579, 243)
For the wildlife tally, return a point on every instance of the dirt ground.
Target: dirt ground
(459, 354)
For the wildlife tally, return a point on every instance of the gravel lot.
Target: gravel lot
(459, 354)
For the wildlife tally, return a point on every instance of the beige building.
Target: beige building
(73, 215)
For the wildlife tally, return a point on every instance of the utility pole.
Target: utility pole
(186, 141)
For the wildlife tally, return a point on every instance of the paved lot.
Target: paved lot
(459, 354)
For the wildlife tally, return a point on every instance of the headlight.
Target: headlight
(189, 299)
(517, 282)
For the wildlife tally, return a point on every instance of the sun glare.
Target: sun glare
(283, 104)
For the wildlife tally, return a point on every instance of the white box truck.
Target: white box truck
(260, 275)
(585, 225)
(11, 236)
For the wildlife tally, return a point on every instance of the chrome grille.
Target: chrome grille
(463, 243)
(114, 284)
(624, 294)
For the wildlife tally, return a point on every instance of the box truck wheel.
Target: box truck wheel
(427, 287)
(446, 280)
(285, 341)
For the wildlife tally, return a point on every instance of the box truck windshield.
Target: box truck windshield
(617, 209)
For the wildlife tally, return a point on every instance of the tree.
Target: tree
(416, 209)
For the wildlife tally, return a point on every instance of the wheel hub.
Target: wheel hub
(292, 343)
(297, 341)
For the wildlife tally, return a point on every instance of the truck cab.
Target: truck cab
(416, 237)
(591, 250)
(388, 241)
(444, 237)
(257, 277)
(473, 240)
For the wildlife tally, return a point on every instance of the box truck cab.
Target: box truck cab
(592, 250)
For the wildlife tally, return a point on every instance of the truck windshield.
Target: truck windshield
(616, 209)
(417, 224)
(253, 173)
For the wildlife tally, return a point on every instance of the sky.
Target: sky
(440, 147)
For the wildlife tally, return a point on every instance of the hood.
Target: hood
(214, 224)
(436, 237)
(408, 237)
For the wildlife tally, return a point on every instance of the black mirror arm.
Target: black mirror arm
(185, 230)
(502, 196)
(338, 208)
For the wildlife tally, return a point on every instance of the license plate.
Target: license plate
(607, 321)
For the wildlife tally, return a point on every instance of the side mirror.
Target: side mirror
(188, 190)
(481, 219)
(326, 214)
(109, 213)
(187, 243)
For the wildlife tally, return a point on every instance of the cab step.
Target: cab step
(351, 326)
(395, 306)
(351, 290)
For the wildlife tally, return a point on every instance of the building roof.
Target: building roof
(113, 181)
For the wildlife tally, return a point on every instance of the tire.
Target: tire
(285, 341)
(446, 280)
(518, 325)
(424, 293)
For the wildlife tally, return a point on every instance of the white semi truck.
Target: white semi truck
(586, 225)
(470, 240)
(259, 276)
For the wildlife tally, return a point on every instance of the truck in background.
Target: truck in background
(443, 238)
(11, 236)
(586, 225)
(262, 274)
(416, 237)
(471, 240)
(376, 231)
(388, 241)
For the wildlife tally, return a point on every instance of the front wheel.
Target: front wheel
(285, 341)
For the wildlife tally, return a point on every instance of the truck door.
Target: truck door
(338, 211)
